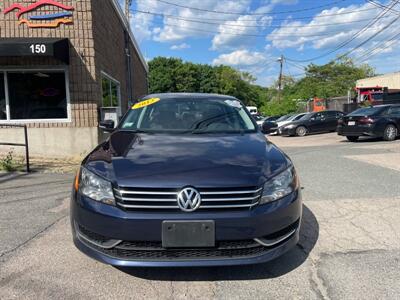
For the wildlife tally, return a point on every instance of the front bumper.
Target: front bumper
(140, 234)
(287, 131)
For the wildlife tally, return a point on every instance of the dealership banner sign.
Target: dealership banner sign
(42, 20)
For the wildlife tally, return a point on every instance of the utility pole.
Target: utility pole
(128, 9)
(280, 60)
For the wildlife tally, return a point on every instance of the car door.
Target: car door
(331, 120)
(394, 114)
(316, 122)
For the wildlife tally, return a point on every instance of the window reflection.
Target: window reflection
(37, 95)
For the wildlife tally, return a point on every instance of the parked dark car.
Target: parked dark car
(317, 122)
(272, 118)
(269, 127)
(185, 180)
(377, 121)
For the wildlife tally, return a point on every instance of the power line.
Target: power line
(204, 21)
(291, 18)
(380, 47)
(380, 50)
(352, 38)
(275, 36)
(370, 38)
(254, 14)
(296, 65)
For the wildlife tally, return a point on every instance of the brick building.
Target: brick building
(64, 65)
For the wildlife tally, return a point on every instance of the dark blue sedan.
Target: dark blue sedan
(185, 180)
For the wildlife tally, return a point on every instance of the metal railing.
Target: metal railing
(26, 145)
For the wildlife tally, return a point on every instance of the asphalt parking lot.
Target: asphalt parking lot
(349, 247)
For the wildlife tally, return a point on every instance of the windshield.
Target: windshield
(186, 115)
(367, 111)
(283, 118)
(298, 117)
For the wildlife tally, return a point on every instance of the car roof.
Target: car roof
(328, 110)
(385, 105)
(194, 96)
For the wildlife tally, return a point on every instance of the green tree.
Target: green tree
(174, 75)
(323, 81)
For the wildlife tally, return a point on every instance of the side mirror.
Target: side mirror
(107, 125)
(313, 118)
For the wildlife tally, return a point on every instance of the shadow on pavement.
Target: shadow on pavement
(309, 233)
(4, 177)
(365, 139)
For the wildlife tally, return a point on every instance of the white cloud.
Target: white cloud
(253, 62)
(239, 33)
(180, 46)
(240, 58)
(284, 2)
(296, 34)
(178, 29)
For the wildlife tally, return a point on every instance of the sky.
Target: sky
(250, 35)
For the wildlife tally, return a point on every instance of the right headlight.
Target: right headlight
(95, 187)
(280, 186)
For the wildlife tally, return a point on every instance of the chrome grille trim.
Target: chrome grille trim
(231, 192)
(148, 199)
(145, 192)
(229, 199)
(212, 198)
(149, 206)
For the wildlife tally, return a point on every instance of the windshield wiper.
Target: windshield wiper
(137, 131)
(211, 120)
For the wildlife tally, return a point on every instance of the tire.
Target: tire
(352, 138)
(301, 131)
(390, 133)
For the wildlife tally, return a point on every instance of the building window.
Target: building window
(33, 95)
(111, 91)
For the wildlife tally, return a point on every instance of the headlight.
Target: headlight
(280, 186)
(96, 188)
(290, 126)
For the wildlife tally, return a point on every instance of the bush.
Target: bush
(277, 108)
(8, 163)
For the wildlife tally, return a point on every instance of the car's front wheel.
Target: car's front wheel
(301, 131)
(352, 138)
(390, 133)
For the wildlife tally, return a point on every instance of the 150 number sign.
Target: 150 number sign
(38, 48)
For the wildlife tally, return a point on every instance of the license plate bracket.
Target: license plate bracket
(188, 234)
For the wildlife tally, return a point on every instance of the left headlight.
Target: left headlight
(280, 186)
(96, 188)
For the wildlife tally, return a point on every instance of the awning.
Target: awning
(49, 47)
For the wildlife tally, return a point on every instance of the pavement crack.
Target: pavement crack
(31, 238)
(317, 282)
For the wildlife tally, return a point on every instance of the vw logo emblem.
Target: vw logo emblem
(189, 199)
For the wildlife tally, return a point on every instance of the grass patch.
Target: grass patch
(10, 164)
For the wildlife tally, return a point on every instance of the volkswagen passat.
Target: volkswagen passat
(185, 180)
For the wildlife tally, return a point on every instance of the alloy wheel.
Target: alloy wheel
(390, 133)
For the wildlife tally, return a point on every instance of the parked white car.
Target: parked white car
(252, 110)
(292, 118)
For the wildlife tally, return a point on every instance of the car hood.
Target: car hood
(174, 161)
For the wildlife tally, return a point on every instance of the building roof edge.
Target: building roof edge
(127, 26)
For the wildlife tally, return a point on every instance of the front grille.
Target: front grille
(165, 199)
(184, 254)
